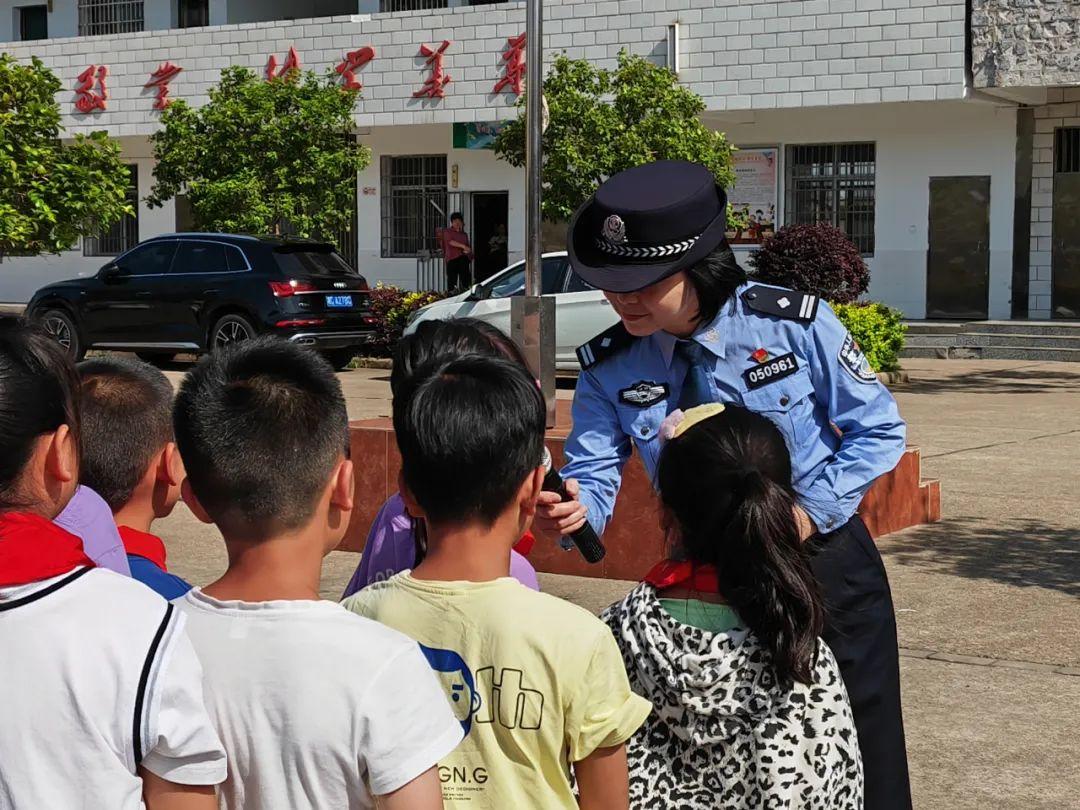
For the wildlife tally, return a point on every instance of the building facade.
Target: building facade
(942, 135)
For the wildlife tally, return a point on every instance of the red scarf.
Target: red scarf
(673, 573)
(145, 545)
(33, 548)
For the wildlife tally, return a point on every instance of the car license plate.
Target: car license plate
(339, 301)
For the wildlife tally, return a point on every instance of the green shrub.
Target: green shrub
(879, 330)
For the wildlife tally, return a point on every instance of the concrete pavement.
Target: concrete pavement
(987, 600)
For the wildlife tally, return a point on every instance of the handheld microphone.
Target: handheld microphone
(584, 538)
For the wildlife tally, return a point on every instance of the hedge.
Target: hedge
(879, 330)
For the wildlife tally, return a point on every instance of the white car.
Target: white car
(581, 312)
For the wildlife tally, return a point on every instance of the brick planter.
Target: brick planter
(633, 540)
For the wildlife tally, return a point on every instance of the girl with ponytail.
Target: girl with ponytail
(723, 637)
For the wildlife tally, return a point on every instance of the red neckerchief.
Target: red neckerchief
(33, 548)
(144, 545)
(673, 573)
(525, 544)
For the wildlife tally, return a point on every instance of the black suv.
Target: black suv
(194, 292)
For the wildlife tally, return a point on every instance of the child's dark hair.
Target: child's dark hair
(38, 394)
(260, 426)
(469, 430)
(439, 341)
(726, 486)
(715, 279)
(456, 215)
(126, 420)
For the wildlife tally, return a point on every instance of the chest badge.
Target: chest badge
(644, 393)
(760, 355)
(770, 370)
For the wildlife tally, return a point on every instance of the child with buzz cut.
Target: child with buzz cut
(538, 684)
(317, 708)
(130, 459)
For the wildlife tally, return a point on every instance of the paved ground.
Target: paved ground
(988, 600)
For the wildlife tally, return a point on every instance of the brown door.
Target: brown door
(1065, 292)
(958, 261)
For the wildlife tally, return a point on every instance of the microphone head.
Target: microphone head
(545, 460)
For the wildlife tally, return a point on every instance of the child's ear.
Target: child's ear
(170, 467)
(530, 490)
(62, 456)
(411, 506)
(188, 494)
(342, 492)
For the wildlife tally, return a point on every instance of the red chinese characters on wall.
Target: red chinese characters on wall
(354, 60)
(514, 59)
(439, 78)
(292, 60)
(92, 92)
(160, 79)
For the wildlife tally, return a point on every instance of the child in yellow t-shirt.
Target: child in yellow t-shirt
(537, 683)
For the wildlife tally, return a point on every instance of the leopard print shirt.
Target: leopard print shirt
(724, 733)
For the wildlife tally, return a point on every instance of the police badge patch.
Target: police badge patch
(855, 363)
(644, 393)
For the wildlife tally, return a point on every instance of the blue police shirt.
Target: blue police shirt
(841, 425)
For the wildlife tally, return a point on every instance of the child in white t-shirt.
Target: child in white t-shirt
(537, 683)
(101, 699)
(317, 708)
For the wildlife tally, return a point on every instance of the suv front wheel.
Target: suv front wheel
(230, 329)
(61, 327)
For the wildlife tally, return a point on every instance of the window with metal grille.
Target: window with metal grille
(122, 235)
(1067, 150)
(110, 17)
(414, 202)
(411, 5)
(833, 183)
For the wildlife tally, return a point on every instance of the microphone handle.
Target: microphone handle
(584, 538)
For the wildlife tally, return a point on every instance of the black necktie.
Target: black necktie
(696, 389)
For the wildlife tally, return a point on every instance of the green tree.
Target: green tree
(263, 156)
(602, 122)
(51, 192)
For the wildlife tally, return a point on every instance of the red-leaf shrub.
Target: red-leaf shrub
(391, 306)
(813, 258)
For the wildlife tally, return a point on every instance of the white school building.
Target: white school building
(942, 135)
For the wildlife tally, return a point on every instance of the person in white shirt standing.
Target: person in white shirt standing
(318, 708)
(101, 699)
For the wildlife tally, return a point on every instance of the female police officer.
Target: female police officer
(693, 330)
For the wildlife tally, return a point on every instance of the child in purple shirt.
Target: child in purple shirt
(392, 542)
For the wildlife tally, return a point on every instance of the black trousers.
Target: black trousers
(860, 629)
(458, 274)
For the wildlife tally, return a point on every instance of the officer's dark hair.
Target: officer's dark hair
(38, 394)
(456, 215)
(715, 279)
(126, 421)
(260, 426)
(470, 430)
(728, 501)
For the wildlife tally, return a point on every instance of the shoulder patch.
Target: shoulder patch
(607, 344)
(854, 362)
(797, 306)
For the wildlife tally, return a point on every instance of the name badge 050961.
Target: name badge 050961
(771, 371)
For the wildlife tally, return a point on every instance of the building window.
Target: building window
(1067, 150)
(122, 235)
(33, 22)
(110, 17)
(411, 5)
(833, 183)
(192, 13)
(414, 203)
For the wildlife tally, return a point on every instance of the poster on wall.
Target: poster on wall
(754, 194)
(477, 134)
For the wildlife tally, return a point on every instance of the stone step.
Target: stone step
(934, 328)
(1061, 328)
(1030, 353)
(1009, 339)
(931, 341)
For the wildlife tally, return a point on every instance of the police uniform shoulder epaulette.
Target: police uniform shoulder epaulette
(782, 303)
(608, 343)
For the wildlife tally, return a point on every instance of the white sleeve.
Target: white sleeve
(409, 723)
(183, 746)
